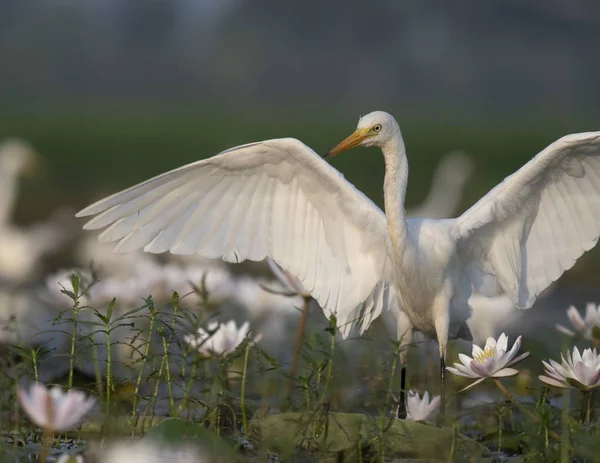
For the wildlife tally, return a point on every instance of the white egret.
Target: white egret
(447, 187)
(17, 157)
(278, 198)
(23, 247)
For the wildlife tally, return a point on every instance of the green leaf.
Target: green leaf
(75, 284)
(103, 318)
(342, 432)
(110, 308)
(176, 432)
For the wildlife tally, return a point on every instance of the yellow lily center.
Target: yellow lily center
(487, 353)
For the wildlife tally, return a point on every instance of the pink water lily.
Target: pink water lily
(53, 409)
(583, 326)
(493, 361)
(581, 371)
(421, 409)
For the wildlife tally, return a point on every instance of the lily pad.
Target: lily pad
(176, 432)
(354, 434)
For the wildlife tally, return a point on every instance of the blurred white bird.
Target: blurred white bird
(17, 157)
(22, 248)
(278, 198)
(447, 187)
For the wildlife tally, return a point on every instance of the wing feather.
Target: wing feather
(533, 227)
(275, 198)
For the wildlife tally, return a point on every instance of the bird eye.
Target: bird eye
(377, 127)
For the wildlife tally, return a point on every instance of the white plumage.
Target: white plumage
(277, 198)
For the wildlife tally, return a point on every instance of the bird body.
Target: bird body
(279, 199)
(421, 276)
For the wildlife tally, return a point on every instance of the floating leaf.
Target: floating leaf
(176, 432)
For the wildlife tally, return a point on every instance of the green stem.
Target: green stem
(298, 345)
(152, 402)
(392, 375)
(166, 347)
(499, 433)
(512, 400)
(243, 397)
(47, 439)
(108, 369)
(34, 360)
(306, 394)
(97, 369)
(330, 363)
(451, 455)
(16, 410)
(143, 368)
(73, 338)
(168, 373)
(188, 386)
(220, 406)
(565, 419)
(585, 407)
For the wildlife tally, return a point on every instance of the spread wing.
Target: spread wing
(529, 229)
(275, 198)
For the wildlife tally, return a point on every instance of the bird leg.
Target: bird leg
(441, 328)
(442, 415)
(402, 402)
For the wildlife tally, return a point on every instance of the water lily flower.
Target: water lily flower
(493, 361)
(53, 409)
(291, 284)
(66, 458)
(220, 339)
(577, 370)
(421, 409)
(585, 327)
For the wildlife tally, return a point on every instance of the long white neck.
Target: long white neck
(394, 193)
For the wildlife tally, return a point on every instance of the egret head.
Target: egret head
(374, 129)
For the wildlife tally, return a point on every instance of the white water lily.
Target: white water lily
(292, 285)
(493, 361)
(581, 371)
(583, 326)
(225, 338)
(53, 409)
(421, 409)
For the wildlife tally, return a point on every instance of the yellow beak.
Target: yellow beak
(353, 140)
